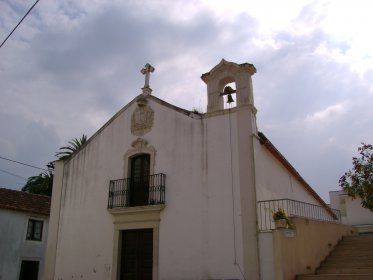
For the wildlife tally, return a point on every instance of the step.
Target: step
(336, 277)
(358, 238)
(346, 264)
(351, 259)
(345, 259)
(351, 252)
(357, 246)
(350, 256)
(358, 241)
(344, 270)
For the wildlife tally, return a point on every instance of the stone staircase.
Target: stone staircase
(352, 259)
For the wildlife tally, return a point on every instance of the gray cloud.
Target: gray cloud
(24, 141)
(81, 66)
(314, 109)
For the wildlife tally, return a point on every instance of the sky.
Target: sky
(72, 64)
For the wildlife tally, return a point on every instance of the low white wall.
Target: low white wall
(266, 256)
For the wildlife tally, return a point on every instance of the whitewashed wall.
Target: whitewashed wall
(216, 171)
(274, 181)
(197, 235)
(209, 167)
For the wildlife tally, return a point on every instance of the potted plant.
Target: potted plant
(281, 219)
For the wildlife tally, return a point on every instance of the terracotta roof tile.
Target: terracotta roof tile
(25, 202)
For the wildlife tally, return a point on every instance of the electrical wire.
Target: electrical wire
(22, 163)
(10, 173)
(19, 23)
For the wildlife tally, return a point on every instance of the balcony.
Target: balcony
(137, 191)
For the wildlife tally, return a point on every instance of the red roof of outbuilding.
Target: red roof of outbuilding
(25, 202)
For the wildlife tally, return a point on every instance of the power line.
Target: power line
(15, 175)
(29, 165)
(19, 23)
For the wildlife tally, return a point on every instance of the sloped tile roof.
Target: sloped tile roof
(25, 202)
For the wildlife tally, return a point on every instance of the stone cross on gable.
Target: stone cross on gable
(146, 71)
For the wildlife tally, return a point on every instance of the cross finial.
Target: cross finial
(146, 71)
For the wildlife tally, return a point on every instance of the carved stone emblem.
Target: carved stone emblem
(142, 118)
(139, 143)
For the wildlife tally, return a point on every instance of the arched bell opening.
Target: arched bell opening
(229, 96)
(229, 82)
(228, 93)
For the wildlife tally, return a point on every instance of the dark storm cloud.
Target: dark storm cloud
(68, 76)
(81, 67)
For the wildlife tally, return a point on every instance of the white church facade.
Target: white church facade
(160, 192)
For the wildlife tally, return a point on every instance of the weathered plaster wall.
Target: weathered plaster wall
(86, 230)
(224, 252)
(274, 181)
(14, 247)
(178, 141)
(312, 242)
(197, 234)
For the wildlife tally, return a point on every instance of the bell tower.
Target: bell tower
(223, 74)
(230, 137)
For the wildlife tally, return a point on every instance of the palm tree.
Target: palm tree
(74, 145)
(41, 184)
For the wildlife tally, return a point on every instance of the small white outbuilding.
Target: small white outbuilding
(24, 221)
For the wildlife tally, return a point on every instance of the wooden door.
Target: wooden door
(137, 254)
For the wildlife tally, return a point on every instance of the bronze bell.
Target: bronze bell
(229, 98)
(228, 90)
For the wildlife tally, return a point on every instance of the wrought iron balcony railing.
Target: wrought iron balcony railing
(293, 208)
(137, 191)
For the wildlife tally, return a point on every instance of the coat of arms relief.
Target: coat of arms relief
(142, 118)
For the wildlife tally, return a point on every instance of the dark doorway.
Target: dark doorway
(29, 270)
(137, 254)
(139, 184)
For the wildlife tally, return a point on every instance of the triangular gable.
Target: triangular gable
(192, 114)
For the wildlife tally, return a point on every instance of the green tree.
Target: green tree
(41, 184)
(358, 182)
(74, 145)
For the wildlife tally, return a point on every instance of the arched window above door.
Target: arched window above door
(139, 186)
(139, 147)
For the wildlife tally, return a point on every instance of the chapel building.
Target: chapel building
(160, 192)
